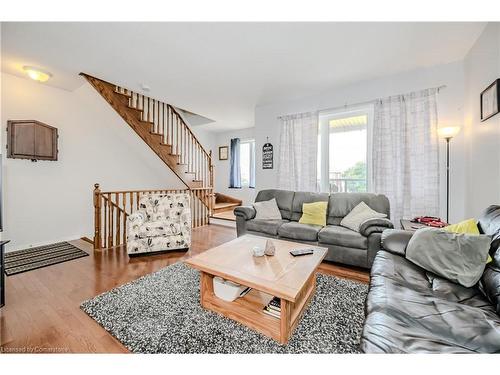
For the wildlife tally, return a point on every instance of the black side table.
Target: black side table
(2, 272)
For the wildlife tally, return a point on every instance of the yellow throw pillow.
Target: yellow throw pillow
(314, 213)
(468, 226)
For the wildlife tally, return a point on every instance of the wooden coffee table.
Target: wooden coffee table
(292, 279)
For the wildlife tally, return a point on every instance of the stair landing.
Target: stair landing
(224, 206)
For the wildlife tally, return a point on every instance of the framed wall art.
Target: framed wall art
(223, 152)
(490, 101)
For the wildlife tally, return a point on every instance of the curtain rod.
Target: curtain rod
(439, 88)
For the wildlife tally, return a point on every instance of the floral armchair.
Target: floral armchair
(163, 222)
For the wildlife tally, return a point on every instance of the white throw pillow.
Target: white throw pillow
(267, 210)
(359, 214)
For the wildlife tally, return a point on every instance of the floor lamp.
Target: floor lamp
(448, 133)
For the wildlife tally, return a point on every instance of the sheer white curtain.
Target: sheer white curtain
(298, 155)
(405, 153)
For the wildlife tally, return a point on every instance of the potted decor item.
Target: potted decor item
(258, 251)
(270, 248)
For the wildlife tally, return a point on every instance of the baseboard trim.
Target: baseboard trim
(86, 239)
(222, 222)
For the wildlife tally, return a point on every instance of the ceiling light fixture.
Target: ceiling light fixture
(37, 74)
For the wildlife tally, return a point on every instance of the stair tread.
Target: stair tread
(226, 204)
(137, 109)
(121, 93)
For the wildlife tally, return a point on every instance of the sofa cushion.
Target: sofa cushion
(300, 198)
(410, 310)
(340, 236)
(340, 204)
(296, 231)
(284, 199)
(265, 226)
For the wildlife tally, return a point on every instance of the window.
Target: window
(343, 148)
(247, 163)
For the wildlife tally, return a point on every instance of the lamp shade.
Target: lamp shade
(448, 131)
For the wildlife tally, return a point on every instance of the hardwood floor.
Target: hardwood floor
(42, 313)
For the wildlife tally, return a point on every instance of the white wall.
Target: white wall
(221, 169)
(450, 113)
(482, 67)
(52, 201)
(206, 138)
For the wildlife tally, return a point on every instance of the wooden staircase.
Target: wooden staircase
(225, 203)
(164, 131)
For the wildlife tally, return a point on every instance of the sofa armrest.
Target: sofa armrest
(186, 225)
(137, 218)
(243, 213)
(185, 220)
(395, 240)
(246, 212)
(377, 225)
(133, 222)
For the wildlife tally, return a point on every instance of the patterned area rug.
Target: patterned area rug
(41, 256)
(161, 313)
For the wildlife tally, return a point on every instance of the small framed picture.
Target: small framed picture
(223, 152)
(490, 101)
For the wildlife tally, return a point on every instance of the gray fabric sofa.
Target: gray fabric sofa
(344, 245)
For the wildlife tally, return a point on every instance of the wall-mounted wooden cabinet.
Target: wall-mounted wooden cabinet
(30, 139)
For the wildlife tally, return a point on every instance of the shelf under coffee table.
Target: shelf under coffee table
(292, 279)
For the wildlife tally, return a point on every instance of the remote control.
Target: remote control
(300, 252)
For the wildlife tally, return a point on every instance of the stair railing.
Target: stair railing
(166, 121)
(112, 208)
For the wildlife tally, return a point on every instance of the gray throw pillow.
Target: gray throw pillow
(267, 210)
(458, 257)
(358, 215)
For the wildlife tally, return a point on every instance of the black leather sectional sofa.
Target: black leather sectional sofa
(410, 310)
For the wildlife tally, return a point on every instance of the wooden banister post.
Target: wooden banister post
(97, 217)
(211, 200)
(211, 168)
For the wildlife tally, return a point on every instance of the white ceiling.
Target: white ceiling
(223, 70)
